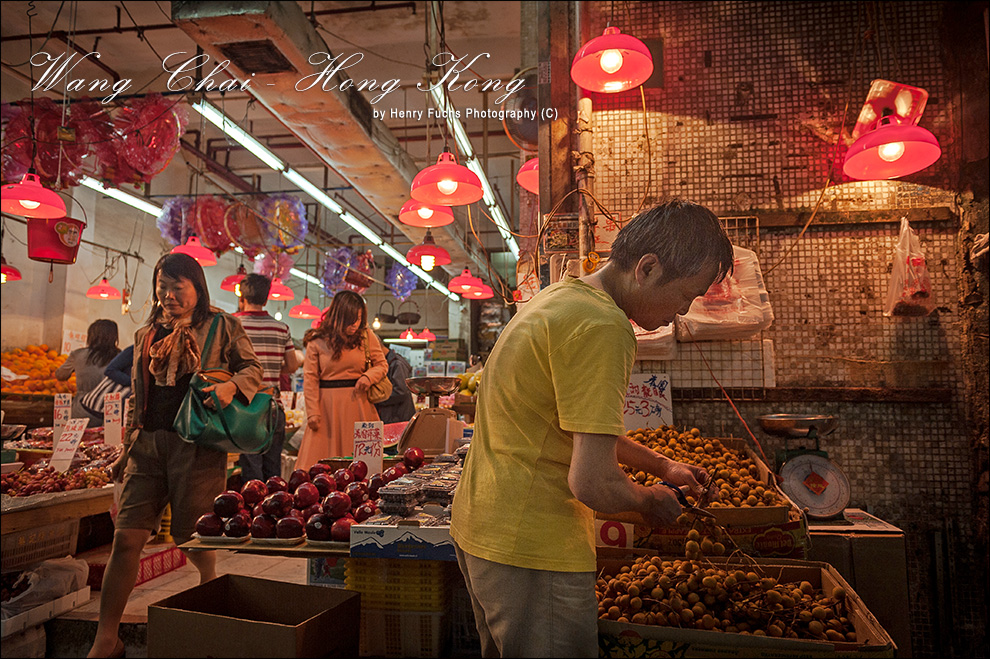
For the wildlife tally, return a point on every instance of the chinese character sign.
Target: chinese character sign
(66, 449)
(63, 411)
(648, 401)
(369, 442)
(113, 414)
(72, 340)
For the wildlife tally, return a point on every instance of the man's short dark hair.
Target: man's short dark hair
(255, 288)
(683, 235)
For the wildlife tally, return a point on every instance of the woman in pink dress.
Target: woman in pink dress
(335, 382)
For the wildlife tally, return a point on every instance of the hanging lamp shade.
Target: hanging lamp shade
(428, 254)
(232, 282)
(408, 334)
(890, 150)
(611, 63)
(447, 183)
(427, 335)
(31, 199)
(8, 272)
(529, 176)
(464, 282)
(481, 293)
(420, 214)
(195, 249)
(103, 291)
(280, 291)
(305, 309)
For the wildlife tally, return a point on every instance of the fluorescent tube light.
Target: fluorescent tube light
(121, 196)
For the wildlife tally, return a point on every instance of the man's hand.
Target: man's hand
(663, 509)
(692, 477)
(117, 468)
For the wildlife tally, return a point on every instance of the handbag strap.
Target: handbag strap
(209, 337)
(367, 351)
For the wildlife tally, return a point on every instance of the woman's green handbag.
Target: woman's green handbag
(237, 428)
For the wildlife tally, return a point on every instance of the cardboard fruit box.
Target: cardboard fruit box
(618, 639)
(238, 616)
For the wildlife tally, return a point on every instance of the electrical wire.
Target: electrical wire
(649, 154)
(33, 11)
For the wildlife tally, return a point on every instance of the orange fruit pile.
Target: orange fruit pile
(39, 363)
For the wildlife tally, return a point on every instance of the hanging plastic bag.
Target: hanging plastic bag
(910, 292)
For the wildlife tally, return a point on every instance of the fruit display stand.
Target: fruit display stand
(622, 638)
(32, 410)
(43, 526)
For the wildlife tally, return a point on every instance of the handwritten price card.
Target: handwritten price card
(63, 410)
(648, 401)
(66, 449)
(72, 340)
(113, 418)
(369, 442)
(288, 399)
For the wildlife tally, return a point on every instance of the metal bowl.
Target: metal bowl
(797, 425)
(433, 386)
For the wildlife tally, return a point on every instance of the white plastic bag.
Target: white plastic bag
(658, 345)
(736, 308)
(910, 292)
(50, 580)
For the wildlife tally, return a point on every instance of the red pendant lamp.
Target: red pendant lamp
(528, 176)
(195, 249)
(305, 309)
(280, 291)
(611, 63)
(232, 282)
(428, 254)
(420, 214)
(464, 282)
(427, 335)
(891, 149)
(31, 199)
(447, 183)
(103, 291)
(408, 334)
(8, 272)
(482, 293)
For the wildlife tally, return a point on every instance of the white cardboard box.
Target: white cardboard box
(43, 613)
(426, 543)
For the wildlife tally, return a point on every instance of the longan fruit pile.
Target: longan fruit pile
(735, 475)
(694, 593)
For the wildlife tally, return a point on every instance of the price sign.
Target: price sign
(648, 401)
(113, 418)
(288, 397)
(66, 449)
(72, 340)
(63, 411)
(369, 442)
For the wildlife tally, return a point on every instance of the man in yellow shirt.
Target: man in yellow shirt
(549, 435)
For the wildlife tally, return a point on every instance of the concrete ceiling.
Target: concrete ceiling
(368, 162)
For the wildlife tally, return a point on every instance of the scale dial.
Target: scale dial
(815, 483)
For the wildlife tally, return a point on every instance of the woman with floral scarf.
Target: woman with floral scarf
(158, 467)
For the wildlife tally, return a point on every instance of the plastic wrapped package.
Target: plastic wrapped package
(48, 581)
(910, 292)
(657, 345)
(736, 308)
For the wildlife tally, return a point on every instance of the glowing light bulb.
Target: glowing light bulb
(278, 315)
(29, 204)
(3, 279)
(611, 61)
(447, 187)
(104, 294)
(377, 324)
(237, 289)
(891, 151)
(428, 262)
(613, 86)
(427, 213)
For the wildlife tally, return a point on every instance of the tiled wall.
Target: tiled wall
(753, 97)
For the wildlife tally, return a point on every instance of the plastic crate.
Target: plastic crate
(399, 595)
(464, 638)
(386, 633)
(394, 570)
(25, 548)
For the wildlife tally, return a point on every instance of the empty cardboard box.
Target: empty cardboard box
(238, 616)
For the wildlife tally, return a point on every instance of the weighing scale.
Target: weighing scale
(428, 427)
(808, 476)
